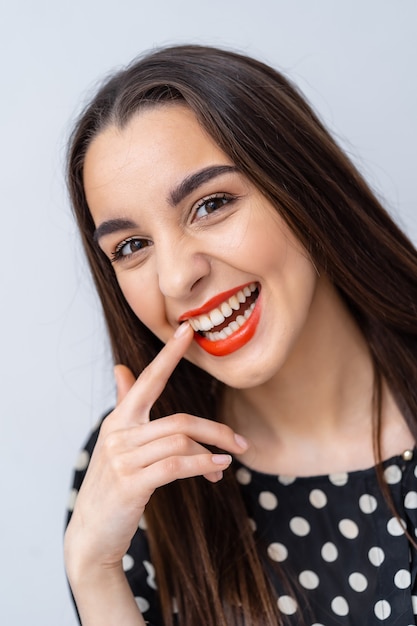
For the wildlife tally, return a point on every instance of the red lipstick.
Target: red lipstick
(237, 340)
(211, 304)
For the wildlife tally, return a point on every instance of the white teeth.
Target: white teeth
(205, 322)
(241, 297)
(226, 309)
(234, 326)
(234, 303)
(217, 316)
(194, 324)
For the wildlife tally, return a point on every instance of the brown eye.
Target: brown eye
(128, 247)
(131, 246)
(210, 205)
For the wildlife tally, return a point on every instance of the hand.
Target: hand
(134, 456)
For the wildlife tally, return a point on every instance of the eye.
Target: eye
(206, 206)
(126, 248)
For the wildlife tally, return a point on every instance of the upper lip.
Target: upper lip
(213, 303)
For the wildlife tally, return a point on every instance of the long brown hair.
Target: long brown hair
(204, 554)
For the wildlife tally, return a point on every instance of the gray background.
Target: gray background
(356, 62)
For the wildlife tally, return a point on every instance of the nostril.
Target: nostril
(196, 283)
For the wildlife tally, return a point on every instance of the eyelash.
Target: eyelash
(117, 254)
(224, 199)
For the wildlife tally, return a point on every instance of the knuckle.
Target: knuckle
(119, 465)
(172, 466)
(179, 443)
(222, 431)
(110, 443)
(182, 421)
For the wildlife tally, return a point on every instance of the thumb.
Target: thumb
(124, 381)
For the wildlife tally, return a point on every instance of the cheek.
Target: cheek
(143, 298)
(285, 265)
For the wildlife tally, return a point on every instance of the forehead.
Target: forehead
(137, 166)
(167, 136)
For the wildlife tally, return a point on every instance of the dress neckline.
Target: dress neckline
(400, 460)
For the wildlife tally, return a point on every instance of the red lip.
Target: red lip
(211, 304)
(237, 340)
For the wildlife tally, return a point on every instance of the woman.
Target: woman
(220, 219)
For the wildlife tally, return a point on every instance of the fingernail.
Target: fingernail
(241, 442)
(181, 330)
(221, 459)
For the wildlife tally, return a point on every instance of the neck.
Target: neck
(320, 402)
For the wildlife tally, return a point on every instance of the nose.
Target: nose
(181, 266)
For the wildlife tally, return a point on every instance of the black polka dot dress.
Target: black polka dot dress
(347, 555)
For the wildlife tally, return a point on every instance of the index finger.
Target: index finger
(151, 382)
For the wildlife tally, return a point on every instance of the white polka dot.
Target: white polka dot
(82, 461)
(348, 528)
(367, 503)
(286, 480)
(243, 476)
(340, 606)
(402, 579)
(128, 562)
(142, 603)
(72, 496)
(150, 570)
(382, 609)
(410, 501)
(252, 524)
(268, 500)
(329, 552)
(339, 479)
(318, 498)
(300, 526)
(142, 523)
(287, 605)
(392, 474)
(358, 581)
(376, 556)
(414, 602)
(309, 579)
(277, 552)
(395, 527)
(316, 624)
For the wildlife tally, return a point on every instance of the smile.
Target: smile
(233, 311)
(228, 324)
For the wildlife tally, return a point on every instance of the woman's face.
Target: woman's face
(190, 238)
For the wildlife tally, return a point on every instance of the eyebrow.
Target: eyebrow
(187, 186)
(112, 226)
(193, 181)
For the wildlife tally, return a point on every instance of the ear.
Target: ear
(124, 381)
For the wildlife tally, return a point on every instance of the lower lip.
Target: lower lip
(240, 337)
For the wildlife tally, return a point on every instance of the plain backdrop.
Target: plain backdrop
(356, 62)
